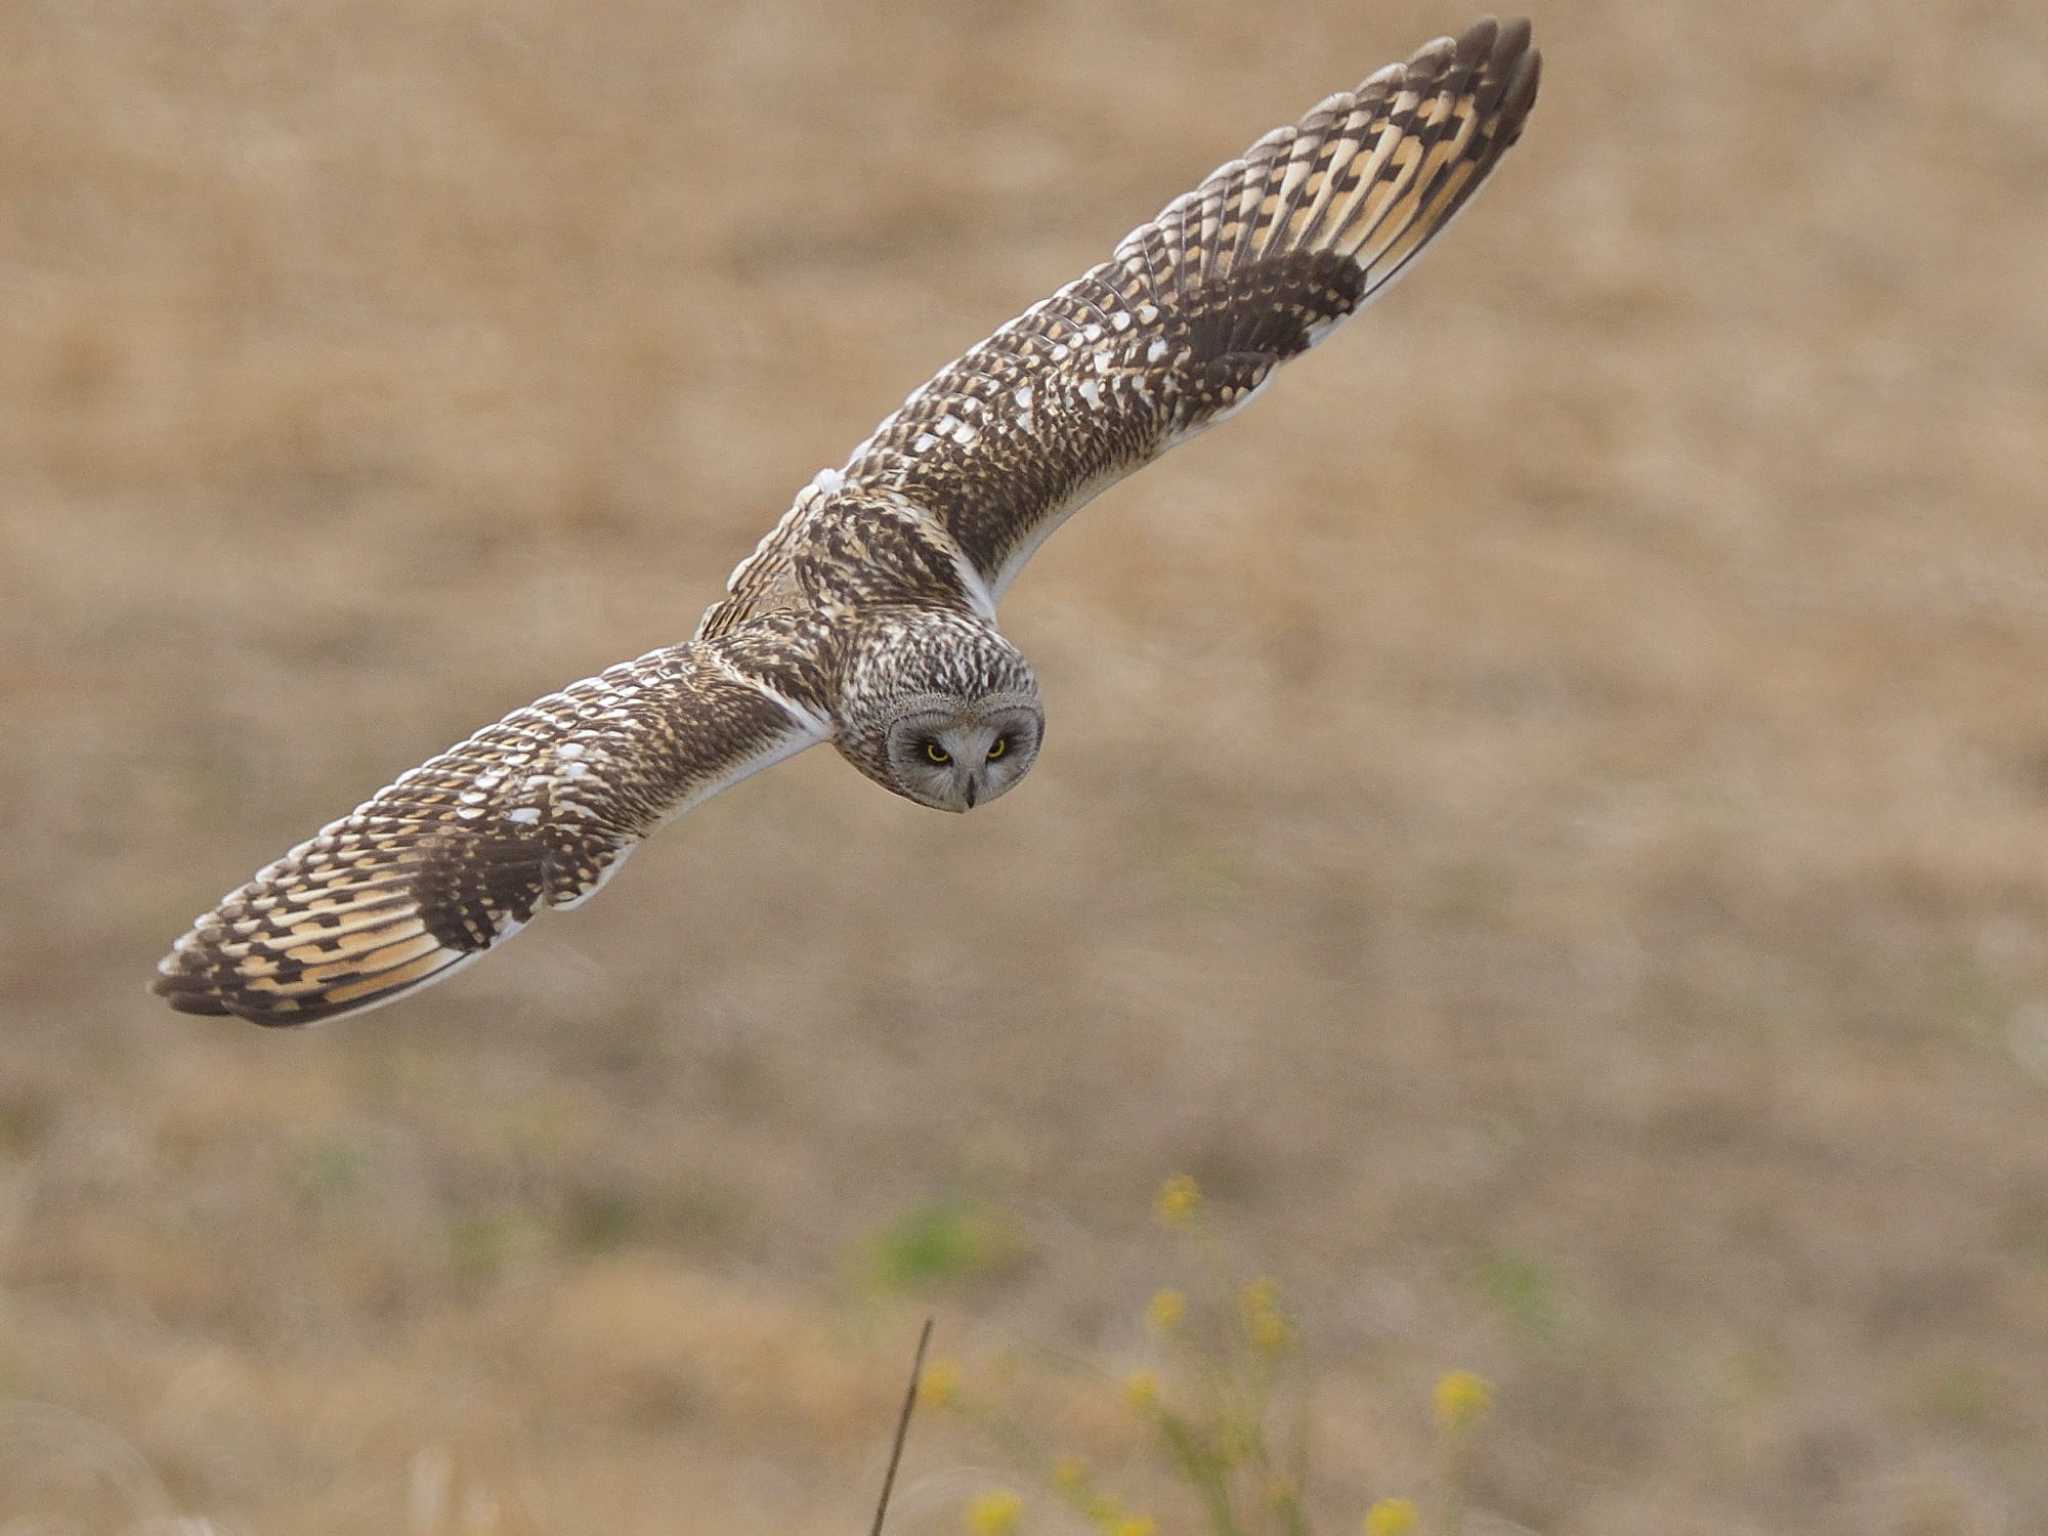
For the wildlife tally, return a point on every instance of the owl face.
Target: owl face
(953, 756)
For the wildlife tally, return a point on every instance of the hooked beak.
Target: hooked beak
(970, 794)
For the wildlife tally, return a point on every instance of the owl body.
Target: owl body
(867, 616)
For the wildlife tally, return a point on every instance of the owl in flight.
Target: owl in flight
(867, 616)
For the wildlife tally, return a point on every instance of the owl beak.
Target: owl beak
(970, 794)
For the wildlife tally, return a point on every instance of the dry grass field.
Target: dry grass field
(1544, 817)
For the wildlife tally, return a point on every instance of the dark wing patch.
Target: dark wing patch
(458, 854)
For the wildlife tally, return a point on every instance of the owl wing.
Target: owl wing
(456, 855)
(1190, 316)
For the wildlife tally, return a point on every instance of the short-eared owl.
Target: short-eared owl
(867, 616)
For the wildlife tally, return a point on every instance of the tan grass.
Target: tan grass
(1544, 817)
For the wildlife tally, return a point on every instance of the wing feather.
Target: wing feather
(1187, 320)
(458, 854)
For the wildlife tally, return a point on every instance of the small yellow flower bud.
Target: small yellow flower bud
(1135, 1525)
(1165, 1310)
(941, 1384)
(1271, 1333)
(1390, 1517)
(995, 1513)
(1180, 1198)
(1264, 1324)
(1141, 1391)
(1462, 1399)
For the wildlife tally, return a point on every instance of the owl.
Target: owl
(867, 616)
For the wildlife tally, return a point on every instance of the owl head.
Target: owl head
(939, 708)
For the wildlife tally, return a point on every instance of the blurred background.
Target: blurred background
(1543, 817)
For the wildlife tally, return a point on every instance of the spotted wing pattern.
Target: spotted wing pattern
(1189, 317)
(453, 858)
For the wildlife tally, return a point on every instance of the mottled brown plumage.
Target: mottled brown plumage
(867, 615)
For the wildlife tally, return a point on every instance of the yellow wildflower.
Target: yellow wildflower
(1179, 1199)
(1135, 1525)
(1462, 1399)
(1264, 1323)
(1271, 1333)
(1165, 1310)
(941, 1383)
(995, 1513)
(1390, 1517)
(1141, 1391)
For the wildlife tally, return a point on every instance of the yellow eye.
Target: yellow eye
(937, 753)
(1002, 745)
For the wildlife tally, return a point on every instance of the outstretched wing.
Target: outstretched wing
(454, 858)
(1191, 315)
